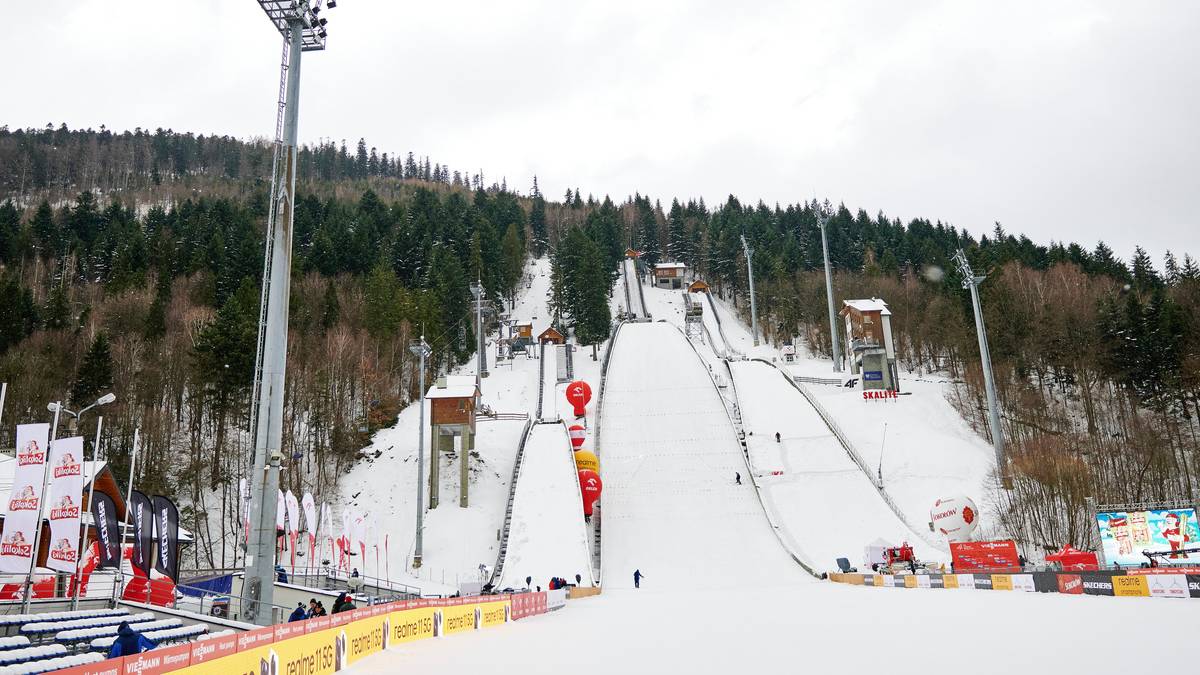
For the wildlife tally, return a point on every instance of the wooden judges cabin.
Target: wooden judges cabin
(869, 343)
(669, 275)
(452, 402)
(551, 337)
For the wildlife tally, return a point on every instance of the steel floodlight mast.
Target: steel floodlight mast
(971, 282)
(302, 31)
(421, 350)
(835, 344)
(753, 305)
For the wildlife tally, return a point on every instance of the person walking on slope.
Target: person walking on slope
(637, 578)
(777, 437)
(737, 477)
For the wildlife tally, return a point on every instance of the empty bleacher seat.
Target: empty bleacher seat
(44, 627)
(51, 664)
(25, 654)
(9, 620)
(14, 642)
(162, 637)
(82, 634)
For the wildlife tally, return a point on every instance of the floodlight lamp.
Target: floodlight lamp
(52, 406)
(106, 399)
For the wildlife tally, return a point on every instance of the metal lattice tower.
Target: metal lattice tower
(971, 282)
(302, 29)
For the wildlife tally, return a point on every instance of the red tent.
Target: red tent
(1071, 559)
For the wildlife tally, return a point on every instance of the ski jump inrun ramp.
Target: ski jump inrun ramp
(669, 455)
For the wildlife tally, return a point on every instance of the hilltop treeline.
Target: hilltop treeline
(131, 262)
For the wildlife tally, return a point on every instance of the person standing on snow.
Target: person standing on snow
(737, 477)
(637, 578)
(777, 437)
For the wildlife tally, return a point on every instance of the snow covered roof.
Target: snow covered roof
(457, 386)
(872, 305)
(670, 266)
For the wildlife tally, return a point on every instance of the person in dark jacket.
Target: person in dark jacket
(321, 609)
(737, 477)
(528, 582)
(130, 642)
(312, 608)
(298, 614)
(280, 574)
(578, 579)
(344, 603)
(777, 437)
(637, 578)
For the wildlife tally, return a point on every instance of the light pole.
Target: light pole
(753, 305)
(823, 220)
(971, 283)
(478, 292)
(302, 30)
(422, 350)
(881, 446)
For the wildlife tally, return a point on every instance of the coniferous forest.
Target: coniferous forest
(131, 262)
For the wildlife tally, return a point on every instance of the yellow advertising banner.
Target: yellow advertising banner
(364, 637)
(910, 581)
(1002, 582)
(855, 579)
(879, 580)
(950, 581)
(312, 654)
(493, 614)
(411, 624)
(1132, 586)
(458, 618)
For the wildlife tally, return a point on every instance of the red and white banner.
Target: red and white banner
(358, 534)
(326, 531)
(25, 500)
(65, 496)
(293, 526)
(244, 509)
(344, 542)
(280, 511)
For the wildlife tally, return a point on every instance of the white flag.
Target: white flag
(65, 496)
(280, 510)
(293, 512)
(310, 515)
(326, 528)
(25, 500)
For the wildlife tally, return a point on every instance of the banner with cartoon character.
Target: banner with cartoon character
(1167, 534)
(65, 496)
(25, 500)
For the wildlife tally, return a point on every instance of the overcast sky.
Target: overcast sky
(1066, 120)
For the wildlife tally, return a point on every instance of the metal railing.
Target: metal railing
(508, 509)
(597, 532)
(641, 294)
(541, 378)
(826, 381)
(855, 457)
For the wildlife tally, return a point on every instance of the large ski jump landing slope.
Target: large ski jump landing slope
(668, 457)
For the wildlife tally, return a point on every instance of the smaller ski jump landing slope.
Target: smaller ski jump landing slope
(547, 536)
(824, 501)
(671, 506)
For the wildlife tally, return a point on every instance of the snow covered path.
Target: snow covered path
(669, 454)
(547, 537)
(632, 281)
(818, 628)
(824, 502)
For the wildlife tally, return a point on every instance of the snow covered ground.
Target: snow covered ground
(829, 508)
(456, 540)
(669, 455)
(760, 627)
(928, 450)
(547, 536)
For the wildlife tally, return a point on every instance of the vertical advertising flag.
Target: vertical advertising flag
(65, 496)
(310, 523)
(142, 518)
(25, 501)
(104, 515)
(359, 534)
(244, 509)
(293, 528)
(166, 525)
(326, 529)
(344, 544)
